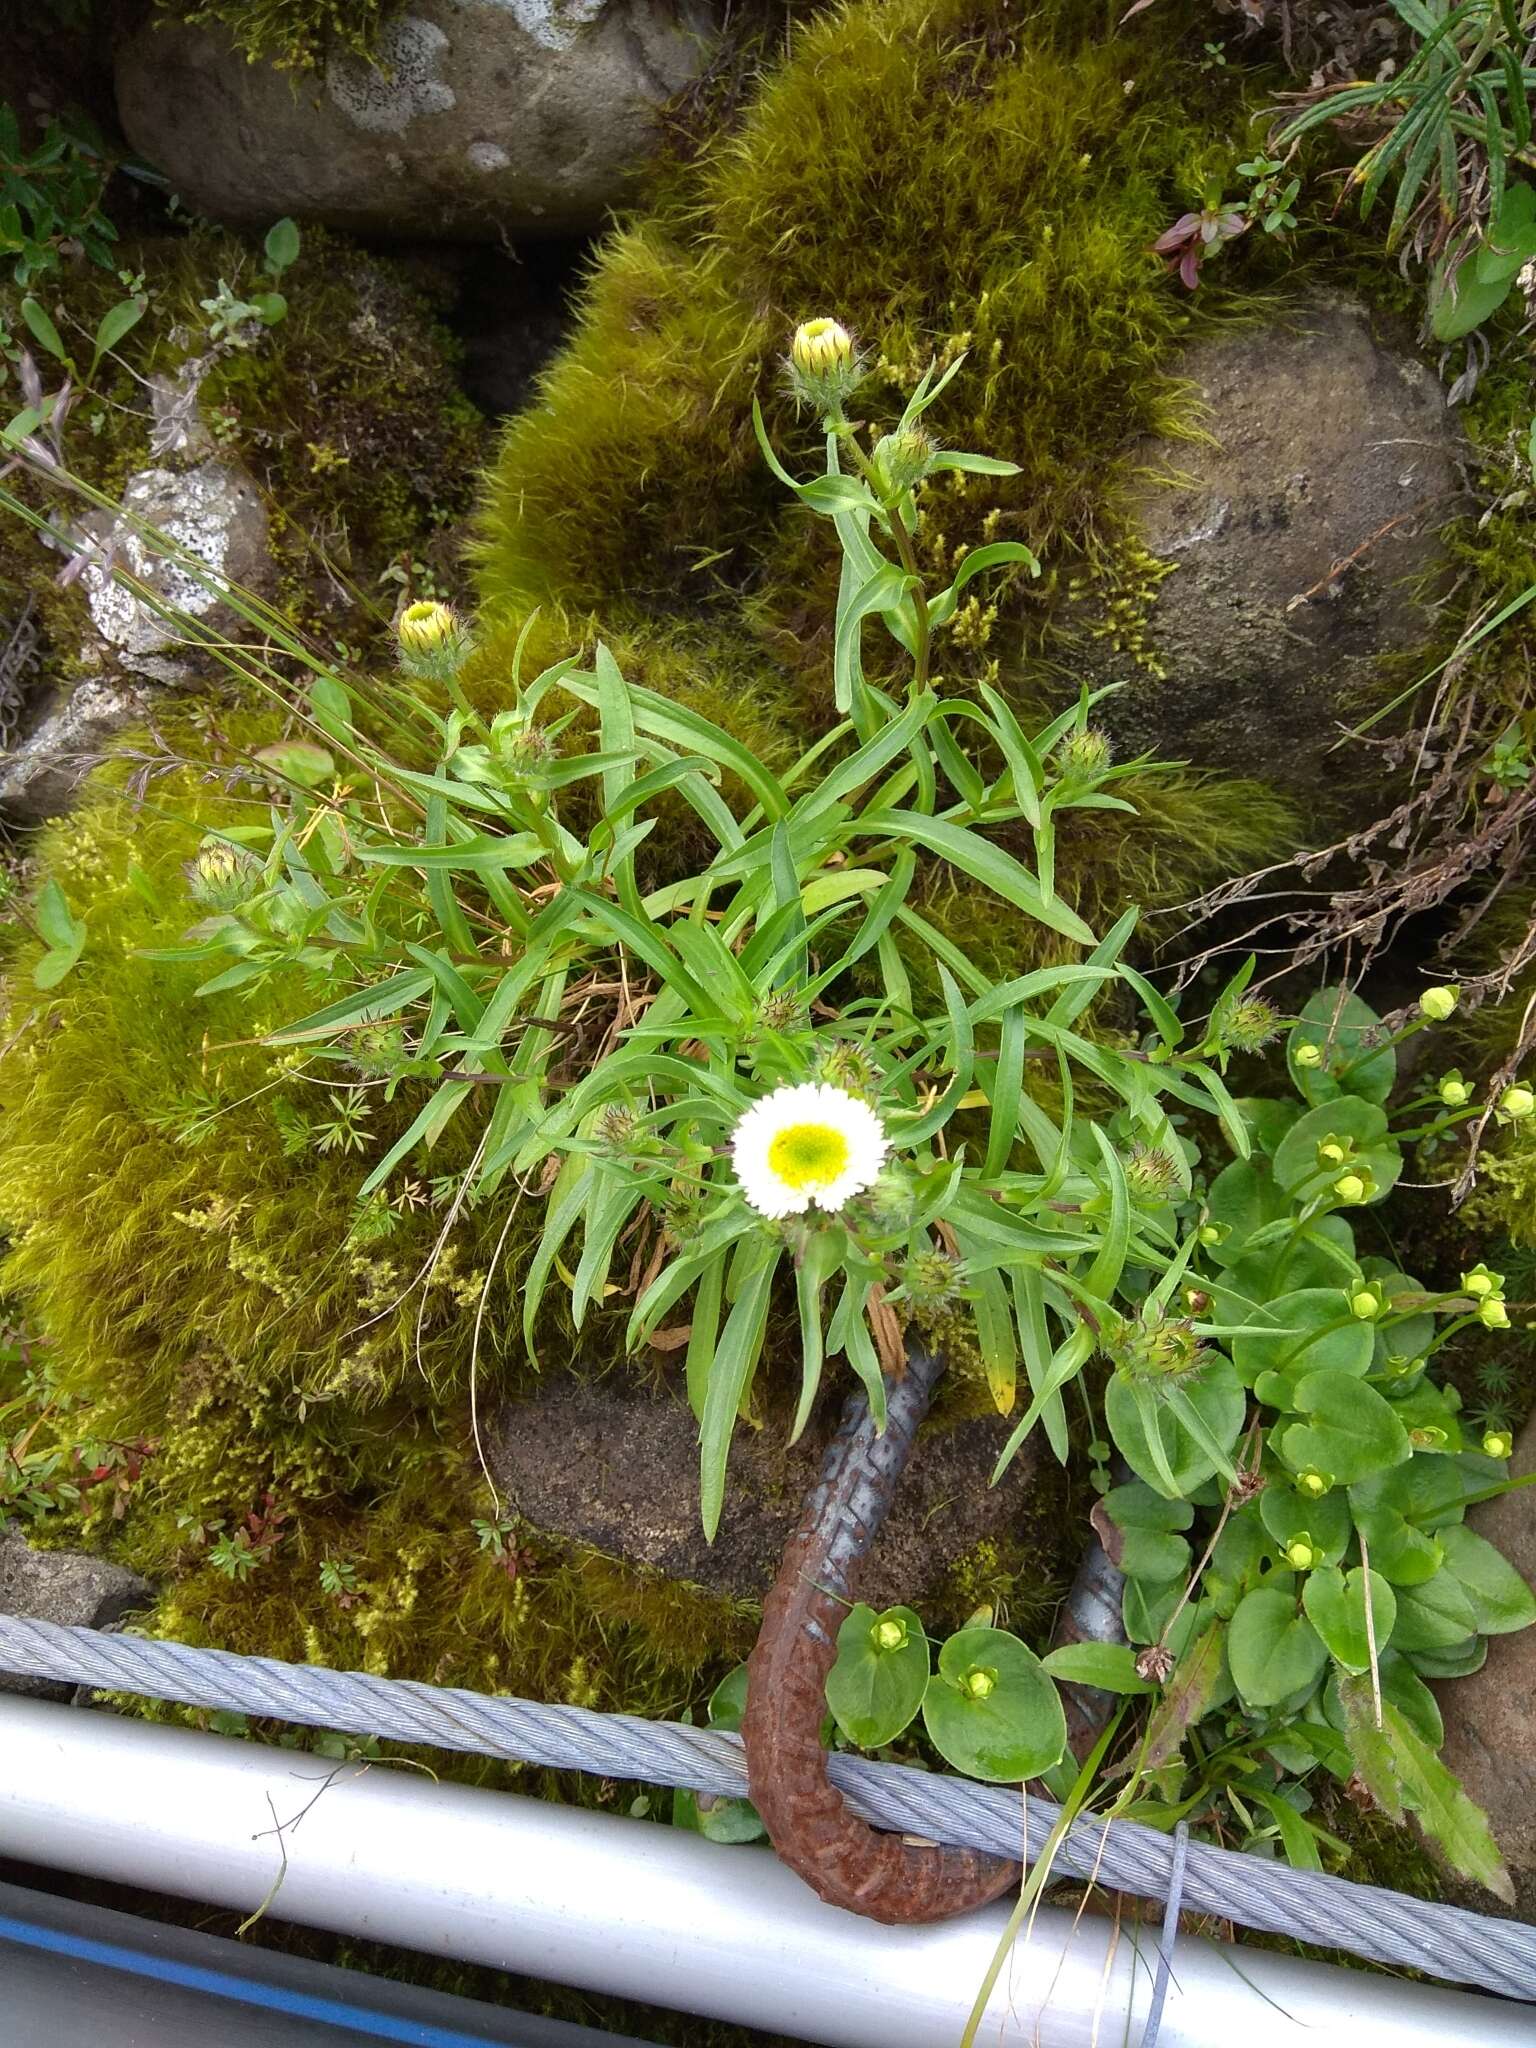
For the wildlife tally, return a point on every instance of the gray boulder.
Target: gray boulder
(616, 1468)
(480, 118)
(65, 1587)
(1302, 538)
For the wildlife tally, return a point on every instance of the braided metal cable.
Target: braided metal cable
(1382, 1926)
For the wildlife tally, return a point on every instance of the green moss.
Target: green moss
(1029, 249)
(196, 1262)
(296, 35)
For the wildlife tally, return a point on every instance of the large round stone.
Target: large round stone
(1293, 545)
(479, 118)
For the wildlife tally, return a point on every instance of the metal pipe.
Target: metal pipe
(647, 1912)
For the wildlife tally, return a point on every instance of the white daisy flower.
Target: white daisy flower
(811, 1143)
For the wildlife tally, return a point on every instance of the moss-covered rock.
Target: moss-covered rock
(297, 1371)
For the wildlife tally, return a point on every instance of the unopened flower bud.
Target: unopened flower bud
(221, 876)
(1151, 1175)
(1453, 1091)
(823, 365)
(1302, 1554)
(904, 459)
(1212, 1234)
(1332, 1150)
(426, 628)
(1084, 753)
(819, 346)
(1312, 1483)
(978, 1684)
(1492, 1313)
(1368, 1302)
(1307, 1054)
(1516, 1103)
(1251, 1025)
(1350, 1187)
(889, 1634)
(1438, 1003)
(1497, 1443)
(1481, 1282)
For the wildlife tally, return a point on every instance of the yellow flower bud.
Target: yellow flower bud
(426, 628)
(1313, 1483)
(1438, 1003)
(1492, 1313)
(979, 1684)
(1497, 1443)
(1516, 1103)
(1301, 1554)
(1350, 1188)
(1308, 1055)
(889, 1634)
(1481, 1282)
(1366, 1303)
(1330, 1152)
(1454, 1092)
(820, 346)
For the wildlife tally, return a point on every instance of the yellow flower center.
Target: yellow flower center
(808, 1155)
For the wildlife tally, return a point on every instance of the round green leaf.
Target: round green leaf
(1287, 1515)
(1268, 1118)
(1134, 1506)
(728, 1701)
(1459, 1661)
(876, 1685)
(1436, 1615)
(1335, 1607)
(1361, 1124)
(1273, 1651)
(1218, 1398)
(1499, 1597)
(1154, 1554)
(1315, 1332)
(1350, 1430)
(299, 761)
(1242, 1199)
(991, 1709)
(1341, 1024)
(1313, 1259)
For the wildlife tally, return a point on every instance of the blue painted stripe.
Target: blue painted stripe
(222, 1984)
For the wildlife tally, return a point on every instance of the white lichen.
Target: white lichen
(385, 97)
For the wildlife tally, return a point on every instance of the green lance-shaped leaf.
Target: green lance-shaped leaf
(876, 1686)
(991, 1709)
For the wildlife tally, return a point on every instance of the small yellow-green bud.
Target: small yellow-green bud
(1302, 1554)
(1481, 1282)
(820, 346)
(1429, 1436)
(1516, 1103)
(1492, 1313)
(1350, 1187)
(1214, 1233)
(1084, 752)
(1497, 1443)
(1453, 1091)
(426, 628)
(1332, 1150)
(978, 1684)
(1308, 1055)
(1438, 1003)
(1312, 1483)
(1368, 1302)
(889, 1634)
(222, 876)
